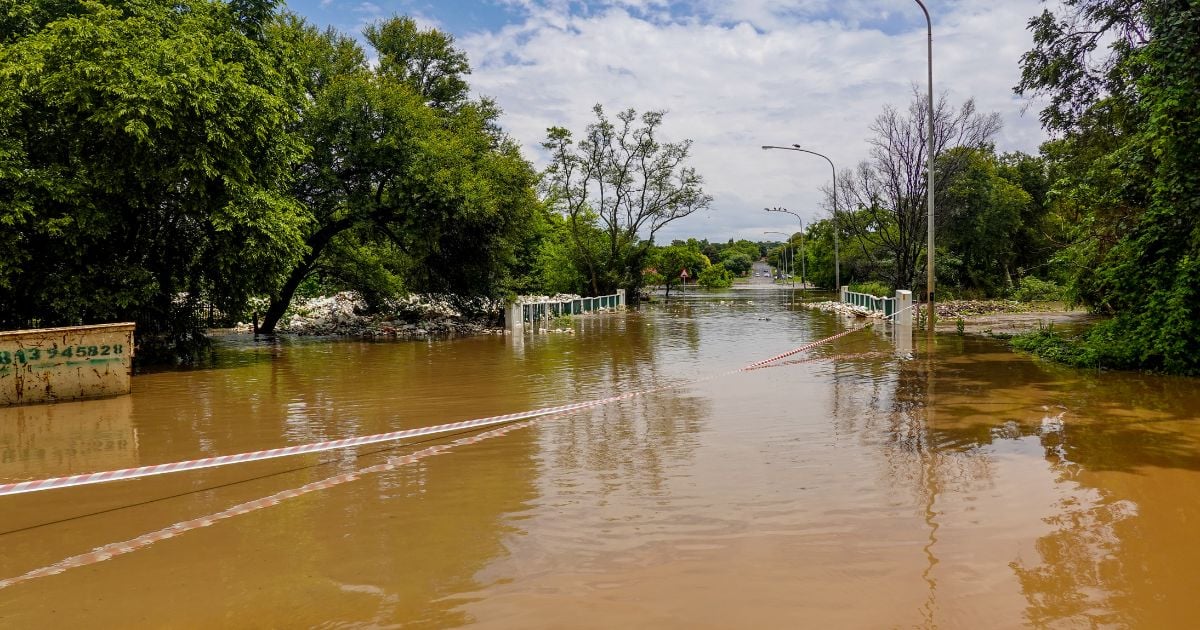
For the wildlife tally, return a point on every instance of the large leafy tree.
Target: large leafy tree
(984, 215)
(401, 162)
(1121, 78)
(145, 151)
(891, 187)
(673, 260)
(631, 183)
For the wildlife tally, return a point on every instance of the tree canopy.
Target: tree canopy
(146, 150)
(1121, 79)
(158, 156)
(622, 178)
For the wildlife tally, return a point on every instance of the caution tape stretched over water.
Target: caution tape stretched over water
(111, 550)
(84, 479)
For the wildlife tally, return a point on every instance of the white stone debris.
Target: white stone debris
(843, 309)
(412, 316)
(557, 297)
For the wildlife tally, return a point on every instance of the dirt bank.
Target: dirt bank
(1009, 317)
(984, 317)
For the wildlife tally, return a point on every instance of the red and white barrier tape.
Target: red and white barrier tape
(37, 485)
(801, 349)
(110, 550)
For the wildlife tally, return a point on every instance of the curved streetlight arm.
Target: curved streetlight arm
(788, 212)
(837, 259)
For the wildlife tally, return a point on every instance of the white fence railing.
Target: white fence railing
(518, 314)
(868, 302)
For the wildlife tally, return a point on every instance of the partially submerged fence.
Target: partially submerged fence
(518, 314)
(868, 302)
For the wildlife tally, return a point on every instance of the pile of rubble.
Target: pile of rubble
(842, 308)
(971, 308)
(557, 297)
(411, 317)
(948, 310)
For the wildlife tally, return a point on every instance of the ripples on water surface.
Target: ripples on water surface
(967, 488)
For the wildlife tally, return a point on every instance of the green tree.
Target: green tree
(984, 212)
(424, 60)
(891, 187)
(632, 182)
(145, 153)
(715, 277)
(451, 197)
(672, 260)
(736, 262)
(1121, 78)
(561, 266)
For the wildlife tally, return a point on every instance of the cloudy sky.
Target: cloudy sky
(733, 75)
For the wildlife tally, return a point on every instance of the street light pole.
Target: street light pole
(929, 178)
(837, 260)
(929, 169)
(783, 255)
(803, 281)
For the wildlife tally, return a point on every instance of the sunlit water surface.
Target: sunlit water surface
(965, 487)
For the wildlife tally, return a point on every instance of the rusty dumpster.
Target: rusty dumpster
(54, 364)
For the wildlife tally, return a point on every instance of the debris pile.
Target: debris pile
(410, 317)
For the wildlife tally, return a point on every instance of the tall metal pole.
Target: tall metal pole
(792, 275)
(783, 252)
(929, 168)
(803, 282)
(837, 259)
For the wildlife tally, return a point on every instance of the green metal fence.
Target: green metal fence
(868, 302)
(540, 311)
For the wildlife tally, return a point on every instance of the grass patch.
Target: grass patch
(1051, 345)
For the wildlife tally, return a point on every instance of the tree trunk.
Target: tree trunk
(316, 244)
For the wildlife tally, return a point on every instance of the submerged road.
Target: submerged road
(968, 487)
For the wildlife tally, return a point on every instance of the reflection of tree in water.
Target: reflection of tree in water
(1122, 450)
(1079, 574)
(1110, 559)
(629, 440)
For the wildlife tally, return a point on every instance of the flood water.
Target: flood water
(961, 486)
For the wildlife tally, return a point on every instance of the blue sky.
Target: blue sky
(733, 75)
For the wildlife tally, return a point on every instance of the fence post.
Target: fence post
(514, 317)
(903, 329)
(621, 298)
(844, 290)
(904, 308)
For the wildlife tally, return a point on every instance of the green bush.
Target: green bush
(715, 277)
(1049, 344)
(878, 289)
(1100, 346)
(1031, 289)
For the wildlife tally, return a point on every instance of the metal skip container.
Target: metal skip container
(55, 364)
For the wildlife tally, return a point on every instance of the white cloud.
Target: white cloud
(748, 74)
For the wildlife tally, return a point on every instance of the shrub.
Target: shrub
(715, 277)
(1031, 289)
(878, 289)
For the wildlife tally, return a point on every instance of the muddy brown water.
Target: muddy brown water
(964, 487)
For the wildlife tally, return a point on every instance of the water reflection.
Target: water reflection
(66, 438)
(955, 485)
